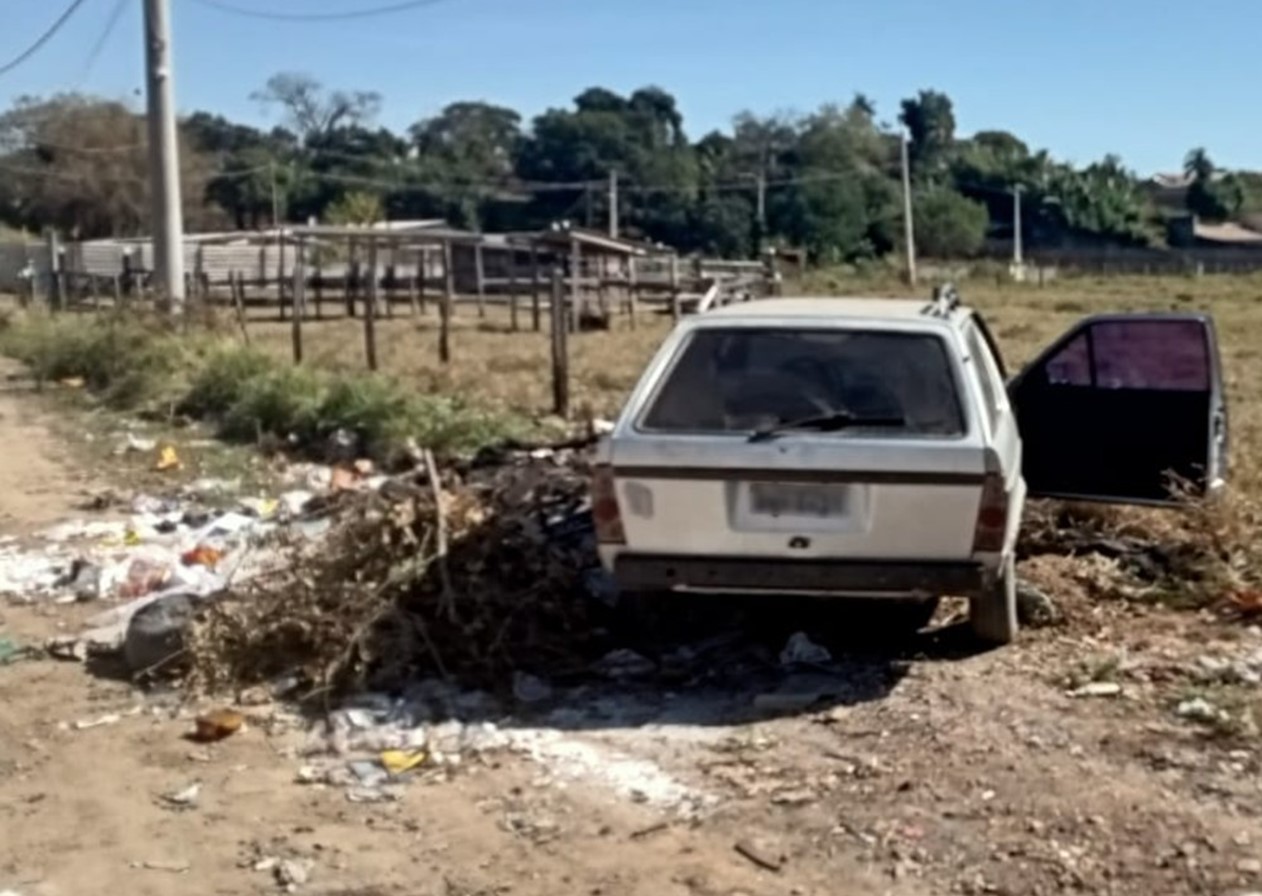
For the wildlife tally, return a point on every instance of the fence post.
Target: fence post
(318, 287)
(299, 294)
(237, 283)
(512, 292)
(674, 288)
(534, 288)
(560, 349)
(444, 306)
(370, 309)
(633, 289)
(480, 273)
(576, 283)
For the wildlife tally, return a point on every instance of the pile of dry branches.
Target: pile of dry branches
(470, 573)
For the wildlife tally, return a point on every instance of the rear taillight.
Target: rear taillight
(605, 513)
(992, 516)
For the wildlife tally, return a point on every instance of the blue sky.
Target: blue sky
(1147, 79)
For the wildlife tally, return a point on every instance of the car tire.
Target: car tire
(993, 615)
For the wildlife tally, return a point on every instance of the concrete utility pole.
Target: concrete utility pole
(164, 158)
(613, 204)
(909, 226)
(762, 200)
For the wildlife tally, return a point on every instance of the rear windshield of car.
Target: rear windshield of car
(742, 379)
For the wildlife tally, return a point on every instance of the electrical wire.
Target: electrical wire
(387, 9)
(99, 46)
(44, 38)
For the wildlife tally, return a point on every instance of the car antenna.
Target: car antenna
(946, 298)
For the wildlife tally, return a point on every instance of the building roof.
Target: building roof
(1227, 233)
(593, 240)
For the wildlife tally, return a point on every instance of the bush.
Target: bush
(226, 374)
(133, 362)
(949, 225)
(285, 402)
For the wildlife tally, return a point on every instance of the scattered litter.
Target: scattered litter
(369, 772)
(202, 555)
(217, 725)
(650, 830)
(292, 873)
(399, 762)
(1198, 709)
(263, 508)
(112, 718)
(168, 460)
(184, 799)
(11, 651)
(1098, 689)
(136, 445)
(801, 650)
(384, 794)
(761, 855)
(154, 634)
(171, 867)
(71, 382)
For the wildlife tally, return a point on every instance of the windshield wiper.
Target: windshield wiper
(825, 423)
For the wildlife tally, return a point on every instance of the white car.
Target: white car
(873, 448)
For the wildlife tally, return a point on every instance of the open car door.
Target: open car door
(1120, 403)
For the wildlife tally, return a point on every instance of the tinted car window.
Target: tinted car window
(740, 379)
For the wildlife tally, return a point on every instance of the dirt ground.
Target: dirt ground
(922, 768)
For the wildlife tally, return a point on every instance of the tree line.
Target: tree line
(829, 182)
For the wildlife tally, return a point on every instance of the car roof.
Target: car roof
(856, 307)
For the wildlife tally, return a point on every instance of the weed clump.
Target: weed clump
(135, 363)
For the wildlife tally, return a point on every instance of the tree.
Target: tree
(930, 121)
(1212, 195)
(81, 164)
(314, 111)
(356, 208)
(949, 225)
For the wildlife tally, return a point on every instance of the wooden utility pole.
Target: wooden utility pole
(164, 157)
(909, 227)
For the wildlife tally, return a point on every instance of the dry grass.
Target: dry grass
(507, 370)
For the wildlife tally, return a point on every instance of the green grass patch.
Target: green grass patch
(139, 364)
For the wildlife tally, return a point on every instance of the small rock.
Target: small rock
(1249, 866)
(1098, 689)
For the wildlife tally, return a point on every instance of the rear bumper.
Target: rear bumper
(893, 578)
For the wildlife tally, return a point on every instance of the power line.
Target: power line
(402, 6)
(43, 38)
(99, 46)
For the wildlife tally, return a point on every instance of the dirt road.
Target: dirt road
(916, 769)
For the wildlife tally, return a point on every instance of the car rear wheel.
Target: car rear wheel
(993, 615)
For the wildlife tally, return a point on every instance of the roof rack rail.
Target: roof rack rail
(946, 298)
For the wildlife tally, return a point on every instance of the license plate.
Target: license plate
(777, 500)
